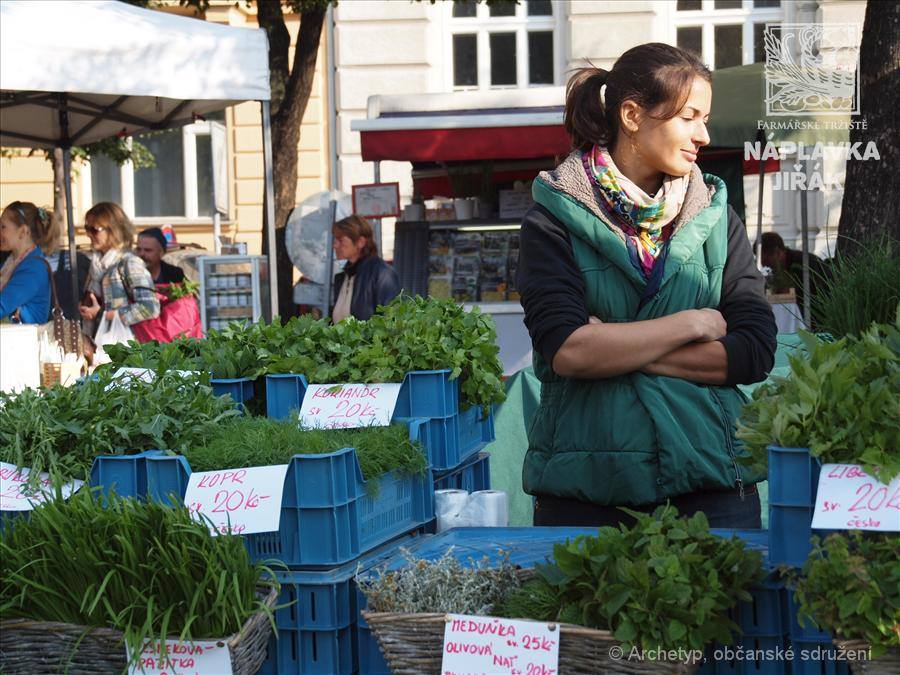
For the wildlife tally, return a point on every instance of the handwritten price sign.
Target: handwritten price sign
(182, 658)
(850, 499)
(348, 406)
(237, 501)
(482, 644)
(15, 495)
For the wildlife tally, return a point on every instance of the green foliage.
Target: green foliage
(145, 569)
(442, 585)
(61, 429)
(861, 289)
(665, 583)
(257, 441)
(842, 401)
(408, 334)
(180, 290)
(850, 586)
(118, 149)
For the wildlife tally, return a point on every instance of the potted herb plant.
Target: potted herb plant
(850, 586)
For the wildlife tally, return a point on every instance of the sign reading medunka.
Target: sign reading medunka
(348, 406)
(237, 501)
(850, 499)
(486, 644)
(16, 495)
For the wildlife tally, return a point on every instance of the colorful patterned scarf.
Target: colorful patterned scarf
(646, 221)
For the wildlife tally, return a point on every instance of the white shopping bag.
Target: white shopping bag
(111, 331)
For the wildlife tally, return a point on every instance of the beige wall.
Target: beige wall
(31, 178)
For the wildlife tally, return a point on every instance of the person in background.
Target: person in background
(367, 281)
(118, 281)
(787, 269)
(59, 261)
(151, 248)
(24, 277)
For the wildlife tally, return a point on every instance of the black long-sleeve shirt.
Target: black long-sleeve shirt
(553, 295)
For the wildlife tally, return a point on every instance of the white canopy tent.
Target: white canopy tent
(79, 71)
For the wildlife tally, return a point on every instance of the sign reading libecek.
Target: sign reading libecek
(850, 499)
(16, 495)
(237, 501)
(348, 406)
(487, 644)
(201, 657)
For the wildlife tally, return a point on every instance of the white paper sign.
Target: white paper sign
(485, 644)
(202, 657)
(15, 494)
(348, 406)
(245, 501)
(850, 499)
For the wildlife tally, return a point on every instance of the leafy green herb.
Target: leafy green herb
(145, 569)
(842, 402)
(257, 441)
(184, 289)
(408, 334)
(62, 429)
(664, 583)
(860, 289)
(850, 586)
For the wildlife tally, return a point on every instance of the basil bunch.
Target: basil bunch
(851, 587)
(664, 583)
(842, 402)
(408, 334)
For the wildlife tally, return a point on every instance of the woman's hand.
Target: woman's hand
(91, 310)
(710, 324)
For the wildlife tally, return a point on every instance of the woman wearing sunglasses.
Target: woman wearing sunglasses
(119, 282)
(24, 278)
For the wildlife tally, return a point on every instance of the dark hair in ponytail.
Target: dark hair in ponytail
(38, 219)
(655, 75)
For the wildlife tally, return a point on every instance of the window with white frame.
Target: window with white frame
(725, 33)
(502, 45)
(179, 186)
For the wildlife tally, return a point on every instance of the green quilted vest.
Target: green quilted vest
(636, 439)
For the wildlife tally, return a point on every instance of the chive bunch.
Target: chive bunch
(142, 568)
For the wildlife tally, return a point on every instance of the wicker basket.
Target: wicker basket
(412, 645)
(886, 664)
(32, 647)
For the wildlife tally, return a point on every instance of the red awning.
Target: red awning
(459, 144)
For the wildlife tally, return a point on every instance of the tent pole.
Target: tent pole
(757, 246)
(329, 258)
(804, 234)
(67, 181)
(270, 206)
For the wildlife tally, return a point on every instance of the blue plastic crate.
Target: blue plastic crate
(450, 441)
(371, 660)
(793, 476)
(308, 652)
(239, 388)
(125, 474)
(472, 476)
(789, 534)
(817, 658)
(428, 393)
(167, 478)
(284, 393)
(764, 613)
(802, 632)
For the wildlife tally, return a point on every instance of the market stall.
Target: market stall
(87, 70)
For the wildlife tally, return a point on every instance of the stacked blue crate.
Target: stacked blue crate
(793, 483)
